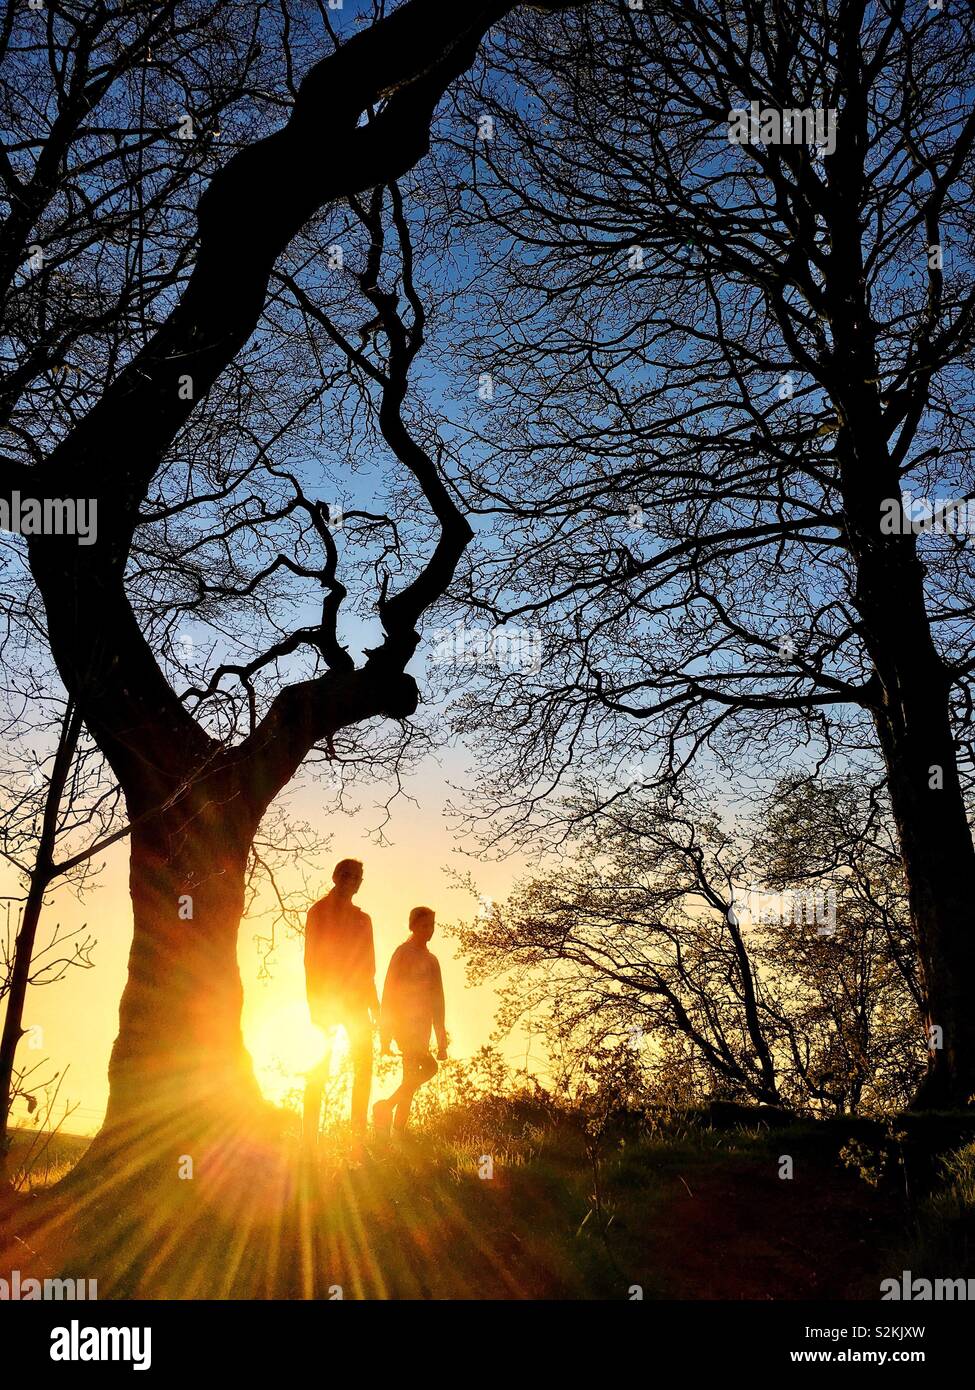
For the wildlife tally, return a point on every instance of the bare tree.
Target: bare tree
(59, 816)
(776, 955)
(726, 332)
(164, 320)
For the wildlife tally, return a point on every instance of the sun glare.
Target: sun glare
(285, 1045)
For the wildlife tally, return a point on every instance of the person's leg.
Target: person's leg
(382, 1116)
(405, 1087)
(359, 1031)
(417, 1068)
(314, 1086)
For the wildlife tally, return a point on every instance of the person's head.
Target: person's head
(347, 876)
(421, 923)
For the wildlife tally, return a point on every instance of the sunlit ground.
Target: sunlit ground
(421, 1220)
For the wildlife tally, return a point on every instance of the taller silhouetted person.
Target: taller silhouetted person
(413, 1004)
(340, 976)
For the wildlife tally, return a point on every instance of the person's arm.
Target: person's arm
(438, 1011)
(312, 951)
(388, 1006)
(371, 967)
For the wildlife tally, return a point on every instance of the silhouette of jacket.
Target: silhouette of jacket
(413, 1000)
(340, 959)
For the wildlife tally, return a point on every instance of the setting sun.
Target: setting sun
(285, 1045)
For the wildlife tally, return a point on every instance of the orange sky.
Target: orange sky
(79, 1015)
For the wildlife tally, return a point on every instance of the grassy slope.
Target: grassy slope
(45, 1157)
(693, 1212)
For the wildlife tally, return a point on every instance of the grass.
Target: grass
(38, 1159)
(506, 1199)
(943, 1240)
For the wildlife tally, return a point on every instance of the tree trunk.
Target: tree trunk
(911, 687)
(180, 1079)
(13, 1029)
(13, 1022)
(914, 726)
(939, 862)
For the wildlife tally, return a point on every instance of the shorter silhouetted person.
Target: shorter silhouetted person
(340, 976)
(412, 1006)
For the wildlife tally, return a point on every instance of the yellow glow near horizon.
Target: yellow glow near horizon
(76, 1019)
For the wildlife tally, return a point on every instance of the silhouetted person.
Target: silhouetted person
(412, 1005)
(340, 976)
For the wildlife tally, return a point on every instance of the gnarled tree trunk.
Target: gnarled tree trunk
(180, 1046)
(180, 1078)
(910, 694)
(914, 727)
